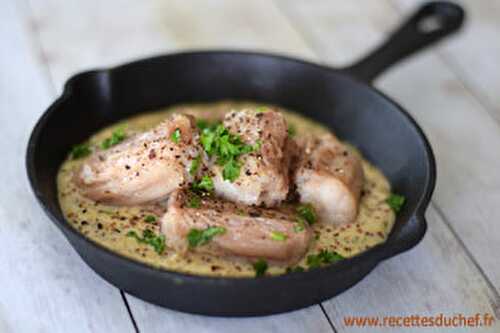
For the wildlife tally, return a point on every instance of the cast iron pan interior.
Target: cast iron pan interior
(342, 99)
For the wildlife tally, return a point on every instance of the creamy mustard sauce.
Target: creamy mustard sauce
(108, 225)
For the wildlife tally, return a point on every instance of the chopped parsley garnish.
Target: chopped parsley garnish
(203, 123)
(294, 269)
(231, 170)
(80, 151)
(117, 136)
(205, 184)
(278, 236)
(207, 139)
(176, 136)
(198, 237)
(150, 238)
(194, 201)
(257, 145)
(300, 226)
(306, 212)
(150, 218)
(260, 267)
(292, 130)
(226, 147)
(195, 165)
(396, 202)
(324, 257)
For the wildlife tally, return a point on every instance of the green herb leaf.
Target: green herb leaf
(260, 267)
(194, 201)
(294, 269)
(198, 237)
(307, 212)
(207, 140)
(396, 202)
(300, 226)
(227, 148)
(231, 170)
(117, 136)
(278, 236)
(132, 233)
(80, 151)
(257, 145)
(206, 184)
(329, 257)
(323, 257)
(176, 136)
(313, 261)
(150, 238)
(202, 124)
(150, 218)
(292, 130)
(195, 165)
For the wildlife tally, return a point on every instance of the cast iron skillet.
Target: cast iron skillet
(343, 99)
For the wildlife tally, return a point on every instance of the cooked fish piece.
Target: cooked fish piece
(248, 232)
(329, 176)
(145, 167)
(264, 178)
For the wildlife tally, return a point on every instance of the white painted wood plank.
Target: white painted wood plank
(355, 26)
(78, 35)
(106, 37)
(474, 56)
(156, 319)
(468, 188)
(342, 33)
(44, 286)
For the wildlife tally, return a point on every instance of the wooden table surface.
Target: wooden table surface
(452, 91)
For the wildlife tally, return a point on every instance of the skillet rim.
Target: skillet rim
(375, 254)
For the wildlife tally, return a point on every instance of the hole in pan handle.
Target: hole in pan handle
(432, 22)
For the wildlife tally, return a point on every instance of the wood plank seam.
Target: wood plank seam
(39, 49)
(50, 83)
(495, 303)
(129, 310)
(477, 95)
(298, 29)
(328, 318)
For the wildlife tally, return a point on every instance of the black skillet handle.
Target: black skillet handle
(429, 24)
